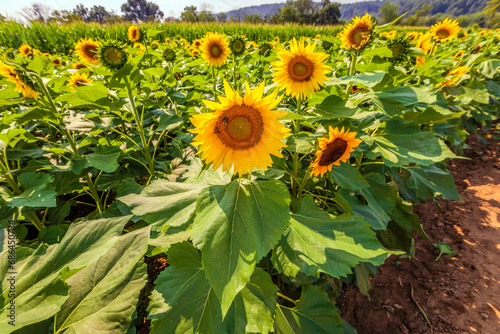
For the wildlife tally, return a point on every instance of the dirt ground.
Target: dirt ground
(457, 294)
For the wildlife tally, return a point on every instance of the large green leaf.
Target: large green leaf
(314, 313)
(105, 158)
(368, 79)
(164, 203)
(39, 191)
(103, 296)
(403, 143)
(334, 107)
(394, 100)
(348, 177)
(235, 226)
(40, 290)
(183, 301)
(317, 242)
(431, 181)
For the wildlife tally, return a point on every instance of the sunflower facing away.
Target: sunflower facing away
(133, 34)
(453, 76)
(237, 45)
(358, 33)
(87, 50)
(21, 85)
(78, 80)
(334, 149)
(242, 132)
(24, 50)
(300, 71)
(445, 31)
(215, 49)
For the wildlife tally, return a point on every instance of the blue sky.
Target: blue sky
(169, 7)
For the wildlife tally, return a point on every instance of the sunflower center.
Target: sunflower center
(359, 35)
(238, 46)
(240, 127)
(300, 68)
(215, 51)
(333, 152)
(91, 51)
(443, 33)
(80, 82)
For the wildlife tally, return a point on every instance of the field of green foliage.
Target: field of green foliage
(268, 166)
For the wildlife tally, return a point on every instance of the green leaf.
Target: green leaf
(254, 307)
(317, 242)
(367, 79)
(476, 91)
(163, 203)
(37, 64)
(394, 100)
(404, 142)
(105, 158)
(183, 301)
(432, 181)
(103, 296)
(314, 313)
(235, 226)
(169, 122)
(348, 177)
(40, 290)
(444, 248)
(381, 51)
(363, 272)
(489, 68)
(301, 142)
(39, 191)
(334, 107)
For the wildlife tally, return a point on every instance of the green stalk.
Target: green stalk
(234, 70)
(352, 70)
(140, 129)
(434, 48)
(296, 124)
(215, 83)
(71, 141)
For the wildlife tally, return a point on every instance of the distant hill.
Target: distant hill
(452, 7)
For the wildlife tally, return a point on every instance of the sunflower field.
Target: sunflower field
(265, 170)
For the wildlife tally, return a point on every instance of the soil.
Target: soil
(458, 294)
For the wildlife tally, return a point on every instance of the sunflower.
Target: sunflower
(155, 45)
(87, 50)
(483, 33)
(420, 61)
(460, 53)
(24, 50)
(237, 45)
(112, 55)
(414, 36)
(276, 40)
(215, 49)
(445, 31)
(300, 71)
(358, 33)
(453, 76)
(139, 46)
(78, 80)
(56, 61)
(194, 52)
(334, 149)
(133, 34)
(242, 132)
(264, 47)
(252, 44)
(463, 36)
(21, 85)
(167, 40)
(424, 43)
(77, 66)
(169, 54)
(400, 47)
(197, 43)
(388, 34)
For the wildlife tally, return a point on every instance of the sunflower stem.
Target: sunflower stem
(234, 72)
(308, 173)
(296, 154)
(434, 48)
(71, 140)
(287, 298)
(215, 83)
(352, 70)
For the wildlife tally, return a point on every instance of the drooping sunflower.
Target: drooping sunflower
(242, 132)
(77, 66)
(445, 31)
(78, 80)
(133, 34)
(24, 50)
(413, 36)
(215, 49)
(453, 76)
(358, 33)
(400, 47)
(332, 150)
(112, 55)
(460, 53)
(388, 34)
(425, 43)
(300, 71)
(14, 77)
(237, 45)
(56, 61)
(87, 50)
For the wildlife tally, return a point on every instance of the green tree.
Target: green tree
(252, 18)
(289, 13)
(491, 10)
(329, 14)
(189, 14)
(222, 17)
(141, 10)
(389, 12)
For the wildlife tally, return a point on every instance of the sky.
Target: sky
(169, 7)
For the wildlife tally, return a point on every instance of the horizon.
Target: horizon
(169, 8)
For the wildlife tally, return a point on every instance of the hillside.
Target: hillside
(451, 7)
